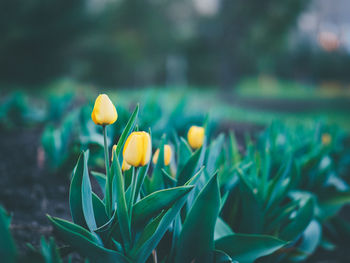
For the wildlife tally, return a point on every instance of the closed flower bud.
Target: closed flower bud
(195, 137)
(326, 139)
(167, 155)
(125, 166)
(104, 112)
(138, 149)
(113, 150)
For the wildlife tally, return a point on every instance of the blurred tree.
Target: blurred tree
(132, 44)
(128, 42)
(38, 38)
(245, 36)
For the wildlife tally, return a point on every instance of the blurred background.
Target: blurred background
(242, 60)
(247, 63)
(211, 43)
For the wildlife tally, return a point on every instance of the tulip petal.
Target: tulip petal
(104, 112)
(147, 148)
(133, 149)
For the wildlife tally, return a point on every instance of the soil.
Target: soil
(28, 192)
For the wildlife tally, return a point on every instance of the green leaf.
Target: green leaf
(221, 229)
(6, 218)
(278, 186)
(148, 232)
(252, 211)
(169, 181)
(129, 126)
(156, 180)
(101, 180)
(140, 179)
(247, 248)
(235, 156)
(75, 197)
(152, 204)
(221, 257)
(99, 210)
(215, 149)
(310, 240)
(193, 180)
(301, 220)
(122, 211)
(86, 193)
(335, 198)
(189, 168)
(197, 236)
(184, 153)
(61, 223)
(8, 251)
(85, 243)
(141, 255)
(80, 194)
(49, 251)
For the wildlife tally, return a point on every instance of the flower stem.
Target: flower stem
(133, 189)
(108, 179)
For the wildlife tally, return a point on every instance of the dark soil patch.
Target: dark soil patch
(27, 191)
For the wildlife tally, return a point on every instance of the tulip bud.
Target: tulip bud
(167, 155)
(195, 137)
(104, 112)
(113, 150)
(326, 139)
(138, 149)
(125, 166)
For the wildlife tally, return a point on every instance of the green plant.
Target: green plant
(171, 214)
(118, 228)
(288, 185)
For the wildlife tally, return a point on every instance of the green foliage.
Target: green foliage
(8, 250)
(273, 198)
(132, 221)
(16, 111)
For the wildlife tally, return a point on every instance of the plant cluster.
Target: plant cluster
(202, 200)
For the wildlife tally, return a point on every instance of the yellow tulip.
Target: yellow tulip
(104, 112)
(167, 155)
(326, 139)
(138, 149)
(195, 137)
(114, 148)
(125, 166)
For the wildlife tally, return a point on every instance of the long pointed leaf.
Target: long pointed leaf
(122, 211)
(247, 248)
(79, 238)
(152, 204)
(197, 236)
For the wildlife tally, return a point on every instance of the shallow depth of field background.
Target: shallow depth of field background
(245, 62)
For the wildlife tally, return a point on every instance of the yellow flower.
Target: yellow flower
(113, 150)
(104, 112)
(326, 139)
(195, 136)
(125, 166)
(167, 155)
(138, 149)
